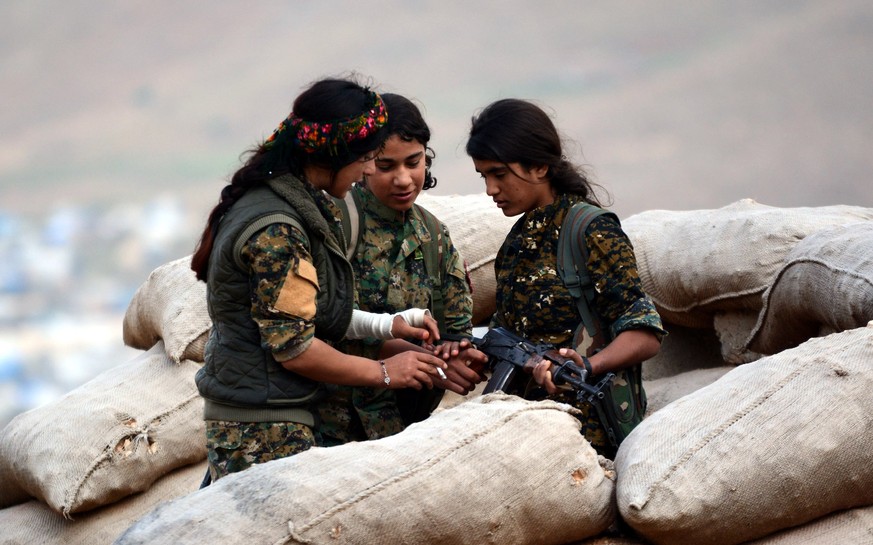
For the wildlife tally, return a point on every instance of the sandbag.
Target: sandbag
(109, 438)
(826, 285)
(733, 328)
(34, 522)
(693, 263)
(854, 526)
(662, 391)
(496, 469)
(169, 306)
(772, 444)
(684, 349)
(478, 229)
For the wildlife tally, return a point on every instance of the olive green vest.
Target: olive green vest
(240, 380)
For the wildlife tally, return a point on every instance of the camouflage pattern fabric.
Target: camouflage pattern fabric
(389, 266)
(235, 446)
(280, 265)
(356, 414)
(390, 277)
(533, 302)
(274, 256)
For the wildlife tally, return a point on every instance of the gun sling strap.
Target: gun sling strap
(433, 252)
(625, 404)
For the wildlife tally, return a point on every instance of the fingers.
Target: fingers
(572, 354)
(461, 372)
(446, 350)
(433, 329)
(400, 329)
(543, 376)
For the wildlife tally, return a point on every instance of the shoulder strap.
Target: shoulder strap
(434, 259)
(257, 225)
(573, 259)
(352, 221)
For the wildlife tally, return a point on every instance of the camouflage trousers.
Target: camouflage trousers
(235, 446)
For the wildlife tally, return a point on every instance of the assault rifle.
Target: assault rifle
(509, 355)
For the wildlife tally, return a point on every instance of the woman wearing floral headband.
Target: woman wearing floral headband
(280, 291)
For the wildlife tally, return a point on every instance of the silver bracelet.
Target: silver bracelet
(385, 378)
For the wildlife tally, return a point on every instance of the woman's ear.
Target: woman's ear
(540, 173)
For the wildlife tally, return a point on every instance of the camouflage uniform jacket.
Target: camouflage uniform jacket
(389, 265)
(390, 277)
(272, 288)
(533, 302)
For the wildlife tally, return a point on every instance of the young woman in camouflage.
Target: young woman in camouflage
(517, 150)
(390, 263)
(280, 290)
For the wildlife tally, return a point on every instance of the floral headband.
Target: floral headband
(314, 136)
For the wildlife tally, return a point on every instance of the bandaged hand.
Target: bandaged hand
(413, 323)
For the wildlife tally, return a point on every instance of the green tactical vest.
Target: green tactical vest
(240, 380)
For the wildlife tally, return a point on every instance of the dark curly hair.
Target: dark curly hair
(325, 100)
(405, 120)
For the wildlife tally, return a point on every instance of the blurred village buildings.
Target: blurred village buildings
(65, 282)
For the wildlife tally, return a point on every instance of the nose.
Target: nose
(491, 188)
(402, 177)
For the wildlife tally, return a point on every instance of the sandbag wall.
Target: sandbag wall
(97, 477)
(81, 469)
(710, 269)
(497, 469)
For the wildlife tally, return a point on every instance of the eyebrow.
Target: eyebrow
(415, 155)
(493, 169)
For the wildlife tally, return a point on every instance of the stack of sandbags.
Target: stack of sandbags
(478, 229)
(497, 469)
(854, 526)
(710, 268)
(35, 522)
(825, 285)
(771, 445)
(170, 306)
(111, 437)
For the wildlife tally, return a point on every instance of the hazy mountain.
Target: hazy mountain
(674, 104)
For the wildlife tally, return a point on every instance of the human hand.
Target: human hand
(450, 349)
(465, 370)
(542, 373)
(544, 369)
(414, 369)
(429, 329)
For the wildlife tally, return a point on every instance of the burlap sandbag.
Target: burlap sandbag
(34, 522)
(170, 306)
(851, 527)
(826, 285)
(693, 263)
(684, 349)
(496, 469)
(662, 391)
(478, 229)
(107, 439)
(771, 445)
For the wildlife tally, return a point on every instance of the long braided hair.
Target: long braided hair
(332, 124)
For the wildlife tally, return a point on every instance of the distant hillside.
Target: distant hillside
(675, 104)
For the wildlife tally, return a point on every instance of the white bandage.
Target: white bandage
(415, 316)
(369, 324)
